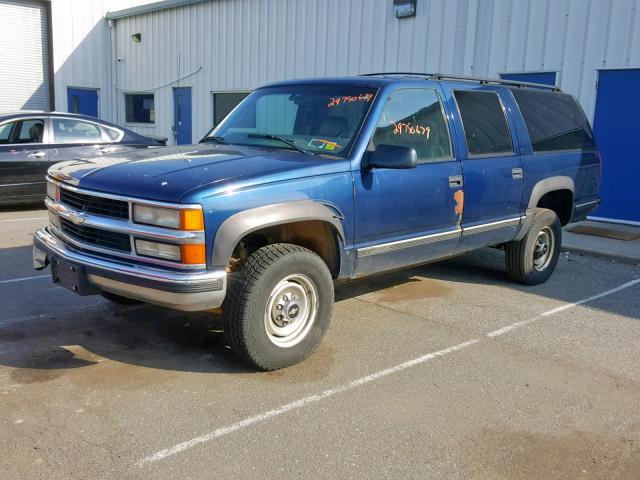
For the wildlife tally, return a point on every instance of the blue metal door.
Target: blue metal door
(615, 128)
(546, 78)
(182, 115)
(83, 100)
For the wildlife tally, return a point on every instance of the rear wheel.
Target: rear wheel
(278, 306)
(533, 259)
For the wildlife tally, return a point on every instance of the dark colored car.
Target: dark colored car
(30, 142)
(312, 181)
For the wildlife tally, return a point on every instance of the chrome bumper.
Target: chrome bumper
(188, 291)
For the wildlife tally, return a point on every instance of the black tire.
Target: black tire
(252, 289)
(525, 259)
(119, 299)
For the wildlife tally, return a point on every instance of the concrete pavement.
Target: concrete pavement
(443, 371)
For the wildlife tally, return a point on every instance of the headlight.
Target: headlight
(182, 219)
(53, 191)
(158, 216)
(158, 250)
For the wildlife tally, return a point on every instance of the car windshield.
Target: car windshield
(317, 119)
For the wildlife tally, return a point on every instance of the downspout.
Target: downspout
(113, 71)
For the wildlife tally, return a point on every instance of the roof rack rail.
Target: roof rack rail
(499, 81)
(398, 74)
(462, 78)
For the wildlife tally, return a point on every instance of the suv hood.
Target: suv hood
(169, 173)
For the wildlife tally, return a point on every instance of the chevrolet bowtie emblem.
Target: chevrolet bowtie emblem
(77, 218)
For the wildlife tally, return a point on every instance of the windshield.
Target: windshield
(317, 119)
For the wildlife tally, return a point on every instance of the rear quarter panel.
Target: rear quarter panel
(582, 166)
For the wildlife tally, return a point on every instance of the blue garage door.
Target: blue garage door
(616, 131)
(548, 78)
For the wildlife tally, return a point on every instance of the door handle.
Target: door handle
(517, 173)
(455, 181)
(38, 154)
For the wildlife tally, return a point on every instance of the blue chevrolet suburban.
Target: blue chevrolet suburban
(309, 182)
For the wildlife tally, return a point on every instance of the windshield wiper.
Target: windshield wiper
(216, 139)
(291, 143)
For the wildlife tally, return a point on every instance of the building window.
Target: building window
(224, 102)
(140, 108)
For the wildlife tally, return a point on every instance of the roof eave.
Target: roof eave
(149, 7)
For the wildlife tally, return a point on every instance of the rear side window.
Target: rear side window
(485, 126)
(414, 118)
(555, 121)
(67, 130)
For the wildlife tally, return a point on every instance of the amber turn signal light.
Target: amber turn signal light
(193, 253)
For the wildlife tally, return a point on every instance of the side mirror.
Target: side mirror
(392, 156)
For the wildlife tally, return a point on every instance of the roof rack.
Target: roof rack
(461, 78)
(514, 83)
(397, 74)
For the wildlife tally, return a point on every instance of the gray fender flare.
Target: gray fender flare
(549, 185)
(242, 223)
(539, 190)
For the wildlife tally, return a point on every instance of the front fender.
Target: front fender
(242, 223)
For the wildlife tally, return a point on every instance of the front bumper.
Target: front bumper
(188, 291)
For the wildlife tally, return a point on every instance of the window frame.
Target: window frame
(464, 133)
(45, 133)
(140, 124)
(546, 152)
(452, 156)
(213, 103)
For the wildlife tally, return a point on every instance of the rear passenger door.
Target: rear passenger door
(491, 164)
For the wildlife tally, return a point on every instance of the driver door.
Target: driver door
(409, 216)
(24, 159)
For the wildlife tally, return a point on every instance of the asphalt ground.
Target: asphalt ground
(443, 371)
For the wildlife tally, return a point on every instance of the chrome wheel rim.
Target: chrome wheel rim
(291, 310)
(543, 249)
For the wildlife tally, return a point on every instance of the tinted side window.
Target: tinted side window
(31, 131)
(555, 121)
(66, 130)
(5, 132)
(414, 118)
(485, 126)
(22, 131)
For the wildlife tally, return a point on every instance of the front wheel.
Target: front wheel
(532, 260)
(278, 306)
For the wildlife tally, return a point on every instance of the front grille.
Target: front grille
(97, 237)
(92, 204)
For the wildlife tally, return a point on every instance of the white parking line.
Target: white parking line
(24, 219)
(303, 402)
(24, 279)
(513, 326)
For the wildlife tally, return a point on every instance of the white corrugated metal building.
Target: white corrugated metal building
(136, 59)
